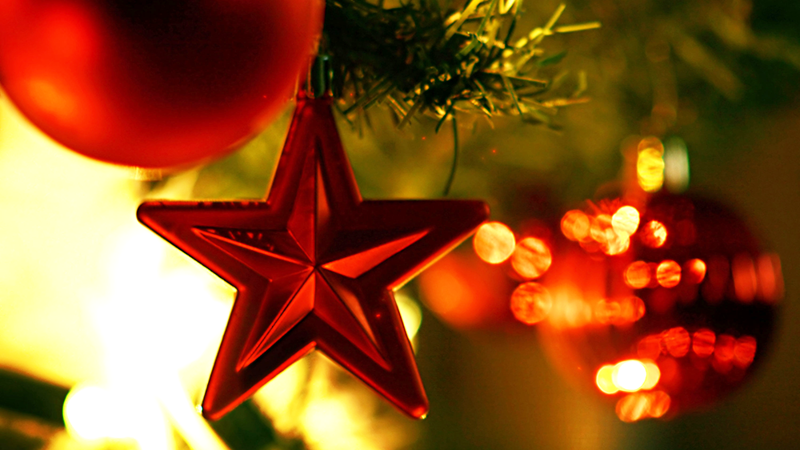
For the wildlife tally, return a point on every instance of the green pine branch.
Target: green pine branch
(422, 58)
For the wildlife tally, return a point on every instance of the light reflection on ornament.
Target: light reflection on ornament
(531, 303)
(493, 242)
(531, 258)
(695, 338)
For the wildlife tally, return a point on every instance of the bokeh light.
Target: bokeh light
(494, 242)
(625, 220)
(694, 271)
(653, 375)
(531, 303)
(650, 164)
(637, 275)
(703, 341)
(654, 234)
(744, 277)
(744, 351)
(629, 375)
(531, 258)
(677, 341)
(668, 273)
(604, 380)
(575, 225)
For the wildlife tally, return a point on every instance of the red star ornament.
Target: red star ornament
(315, 267)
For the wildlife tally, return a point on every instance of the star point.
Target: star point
(315, 267)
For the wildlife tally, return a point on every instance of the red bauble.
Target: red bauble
(153, 83)
(315, 267)
(662, 313)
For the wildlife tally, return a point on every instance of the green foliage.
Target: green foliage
(423, 58)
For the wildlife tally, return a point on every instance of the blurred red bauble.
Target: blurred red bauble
(153, 83)
(662, 308)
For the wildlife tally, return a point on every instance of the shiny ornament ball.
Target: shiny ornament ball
(154, 84)
(660, 308)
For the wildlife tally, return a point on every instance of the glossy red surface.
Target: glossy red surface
(686, 305)
(315, 267)
(153, 83)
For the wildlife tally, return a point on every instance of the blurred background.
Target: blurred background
(107, 333)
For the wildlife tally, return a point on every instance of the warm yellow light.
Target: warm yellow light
(629, 376)
(625, 220)
(410, 313)
(494, 242)
(650, 164)
(86, 413)
(604, 380)
(653, 375)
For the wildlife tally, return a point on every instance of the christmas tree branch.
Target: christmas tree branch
(422, 58)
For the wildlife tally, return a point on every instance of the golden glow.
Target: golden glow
(531, 303)
(744, 278)
(653, 375)
(650, 164)
(694, 271)
(703, 342)
(575, 225)
(654, 234)
(677, 341)
(744, 351)
(604, 380)
(494, 242)
(637, 275)
(94, 413)
(629, 376)
(625, 220)
(531, 258)
(86, 413)
(668, 273)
